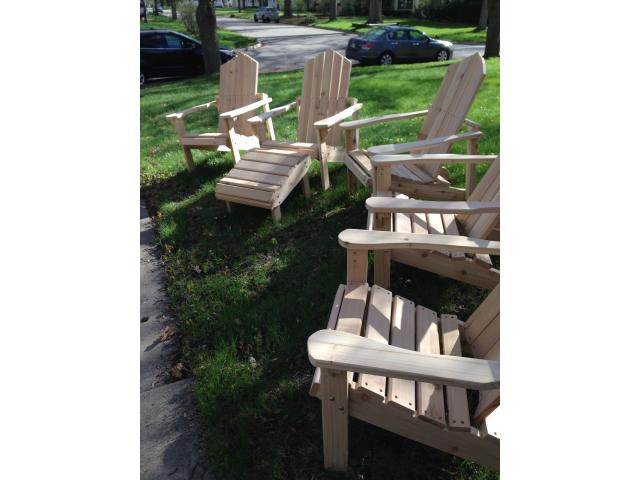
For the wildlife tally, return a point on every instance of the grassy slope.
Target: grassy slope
(225, 37)
(443, 30)
(243, 288)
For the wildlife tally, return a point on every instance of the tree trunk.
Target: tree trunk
(333, 13)
(174, 10)
(375, 11)
(206, 19)
(484, 15)
(155, 7)
(492, 47)
(287, 8)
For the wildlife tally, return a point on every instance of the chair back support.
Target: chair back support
(482, 333)
(325, 88)
(488, 190)
(452, 103)
(238, 87)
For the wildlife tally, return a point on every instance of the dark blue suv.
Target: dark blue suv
(388, 45)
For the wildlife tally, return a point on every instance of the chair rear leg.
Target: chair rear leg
(335, 419)
(306, 188)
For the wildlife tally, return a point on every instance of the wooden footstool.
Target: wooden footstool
(264, 177)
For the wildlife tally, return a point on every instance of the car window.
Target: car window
(374, 34)
(399, 35)
(417, 36)
(173, 41)
(155, 40)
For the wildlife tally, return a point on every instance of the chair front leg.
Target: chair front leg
(323, 133)
(470, 174)
(382, 221)
(231, 139)
(269, 122)
(335, 419)
(178, 124)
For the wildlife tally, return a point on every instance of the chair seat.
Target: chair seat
(263, 177)
(376, 313)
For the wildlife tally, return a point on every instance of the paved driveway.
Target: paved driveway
(286, 47)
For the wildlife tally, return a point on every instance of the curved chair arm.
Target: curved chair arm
(337, 350)
(409, 205)
(421, 144)
(189, 111)
(429, 158)
(367, 122)
(232, 114)
(263, 117)
(355, 239)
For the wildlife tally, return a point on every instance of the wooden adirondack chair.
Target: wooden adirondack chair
(440, 129)
(265, 176)
(323, 104)
(398, 365)
(238, 88)
(478, 218)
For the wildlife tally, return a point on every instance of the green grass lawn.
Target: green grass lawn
(444, 30)
(247, 293)
(225, 37)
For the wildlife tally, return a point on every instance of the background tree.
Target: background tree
(333, 9)
(484, 15)
(206, 19)
(287, 8)
(174, 9)
(375, 11)
(492, 47)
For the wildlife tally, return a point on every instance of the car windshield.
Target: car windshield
(374, 34)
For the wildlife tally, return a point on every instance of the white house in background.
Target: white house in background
(255, 3)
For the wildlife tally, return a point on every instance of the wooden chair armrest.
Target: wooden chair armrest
(338, 117)
(367, 122)
(263, 117)
(337, 350)
(429, 158)
(407, 205)
(191, 110)
(246, 109)
(355, 239)
(407, 147)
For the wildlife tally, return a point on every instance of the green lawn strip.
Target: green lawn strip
(248, 293)
(443, 30)
(225, 37)
(246, 13)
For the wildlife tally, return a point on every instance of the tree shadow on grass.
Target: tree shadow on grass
(258, 292)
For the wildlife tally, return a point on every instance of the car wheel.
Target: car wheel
(255, 19)
(442, 55)
(278, 21)
(141, 79)
(386, 58)
(265, 20)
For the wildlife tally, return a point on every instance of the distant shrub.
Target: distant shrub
(188, 16)
(463, 11)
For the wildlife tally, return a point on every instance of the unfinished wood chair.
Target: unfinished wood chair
(322, 105)
(238, 88)
(265, 176)
(440, 130)
(478, 217)
(397, 365)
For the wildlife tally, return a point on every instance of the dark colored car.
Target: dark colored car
(164, 53)
(389, 45)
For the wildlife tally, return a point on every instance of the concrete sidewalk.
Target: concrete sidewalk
(170, 440)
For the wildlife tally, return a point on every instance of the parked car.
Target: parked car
(158, 10)
(164, 53)
(389, 45)
(218, 4)
(266, 14)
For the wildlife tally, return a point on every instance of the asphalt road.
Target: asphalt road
(286, 47)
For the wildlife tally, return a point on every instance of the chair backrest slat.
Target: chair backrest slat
(487, 190)
(325, 87)
(482, 332)
(238, 87)
(452, 103)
